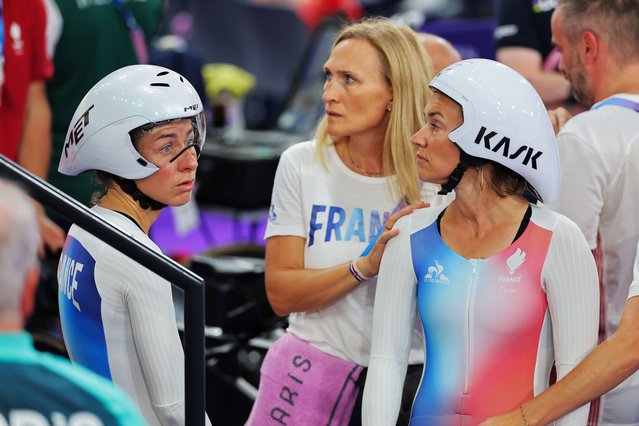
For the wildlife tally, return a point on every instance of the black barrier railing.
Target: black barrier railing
(192, 284)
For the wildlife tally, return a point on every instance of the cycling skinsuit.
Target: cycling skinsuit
(492, 327)
(118, 320)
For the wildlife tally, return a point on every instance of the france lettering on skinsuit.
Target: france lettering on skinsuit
(289, 393)
(504, 146)
(341, 225)
(67, 278)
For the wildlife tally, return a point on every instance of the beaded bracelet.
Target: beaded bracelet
(355, 272)
(523, 416)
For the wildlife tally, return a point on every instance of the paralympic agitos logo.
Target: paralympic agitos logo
(530, 155)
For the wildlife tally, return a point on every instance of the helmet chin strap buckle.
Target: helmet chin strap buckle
(465, 161)
(454, 178)
(132, 189)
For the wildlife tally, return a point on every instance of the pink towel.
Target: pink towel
(301, 385)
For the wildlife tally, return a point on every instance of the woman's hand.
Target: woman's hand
(51, 235)
(559, 117)
(369, 265)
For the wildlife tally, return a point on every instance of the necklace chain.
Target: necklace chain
(360, 168)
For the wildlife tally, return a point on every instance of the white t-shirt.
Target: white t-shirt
(118, 320)
(493, 326)
(338, 212)
(599, 152)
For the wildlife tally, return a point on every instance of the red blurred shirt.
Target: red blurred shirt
(313, 11)
(25, 61)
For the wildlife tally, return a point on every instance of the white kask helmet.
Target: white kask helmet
(130, 97)
(504, 121)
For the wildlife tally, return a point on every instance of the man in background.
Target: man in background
(39, 388)
(599, 151)
(523, 42)
(441, 52)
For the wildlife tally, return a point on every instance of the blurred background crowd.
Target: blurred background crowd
(257, 65)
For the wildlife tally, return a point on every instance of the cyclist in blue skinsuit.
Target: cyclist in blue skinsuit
(142, 127)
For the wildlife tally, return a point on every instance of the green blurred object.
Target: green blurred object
(227, 79)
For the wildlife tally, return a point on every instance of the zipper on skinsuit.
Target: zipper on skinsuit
(469, 307)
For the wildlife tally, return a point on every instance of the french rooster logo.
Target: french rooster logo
(436, 273)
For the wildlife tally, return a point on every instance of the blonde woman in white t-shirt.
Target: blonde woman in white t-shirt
(334, 202)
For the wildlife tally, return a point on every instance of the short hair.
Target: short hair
(503, 181)
(105, 181)
(615, 21)
(408, 70)
(19, 239)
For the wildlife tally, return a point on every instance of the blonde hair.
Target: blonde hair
(408, 70)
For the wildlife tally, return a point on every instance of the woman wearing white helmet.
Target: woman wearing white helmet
(141, 128)
(503, 287)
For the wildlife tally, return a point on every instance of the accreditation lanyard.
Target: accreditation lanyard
(621, 102)
(137, 35)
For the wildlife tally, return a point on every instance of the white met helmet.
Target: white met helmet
(133, 96)
(504, 121)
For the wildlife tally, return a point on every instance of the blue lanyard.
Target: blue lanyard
(625, 103)
(137, 35)
(127, 15)
(368, 248)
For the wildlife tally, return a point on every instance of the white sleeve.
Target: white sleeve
(634, 287)
(158, 346)
(572, 287)
(149, 301)
(286, 215)
(583, 183)
(393, 324)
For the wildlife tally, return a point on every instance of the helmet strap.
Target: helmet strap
(132, 189)
(454, 178)
(465, 161)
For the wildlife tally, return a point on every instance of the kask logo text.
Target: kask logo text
(530, 155)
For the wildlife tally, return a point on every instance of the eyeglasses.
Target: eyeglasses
(193, 145)
(166, 145)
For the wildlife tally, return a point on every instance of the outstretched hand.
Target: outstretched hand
(369, 264)
(559, 117)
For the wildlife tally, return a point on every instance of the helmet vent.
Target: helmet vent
(161, 84)
(162, 73)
